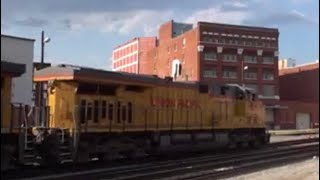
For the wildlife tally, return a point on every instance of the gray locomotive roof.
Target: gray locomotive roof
(244, 88)
(78, 71)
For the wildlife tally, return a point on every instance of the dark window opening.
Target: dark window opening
(240, 95)
(203, 89)
(85, 88)
(135, 88)
(223, 91)
(130, 112)
(253, 97)
(2, 82)
(104, 110)
(107, 89)
(118, 112)
(110, 112)
(89, 111)
(124, 113)
(96, 111)
(83, 111)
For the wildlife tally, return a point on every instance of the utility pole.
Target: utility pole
(41, 98)
(243, 68)
(41, 83)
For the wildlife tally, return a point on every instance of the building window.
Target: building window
(176, 68)
(210, 73)
(182, 58)
(222, 41)
(250, 75)
(229, 73)
(268, 75)
(230, 57)
(184, 43)
(249, 43)
(274, 44)
(210, 56)
(268, 90)
(267, 60)
(268, 44)
(250, 59)
(206, 39)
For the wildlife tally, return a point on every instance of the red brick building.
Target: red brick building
(299, 92)
(218, 53)
(131, 56)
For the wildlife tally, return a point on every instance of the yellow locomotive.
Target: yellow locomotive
(10, 130)
(107, 115)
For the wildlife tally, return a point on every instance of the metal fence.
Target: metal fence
(28, 116)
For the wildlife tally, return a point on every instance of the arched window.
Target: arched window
(176, 68)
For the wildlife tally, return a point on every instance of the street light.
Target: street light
(43, 42)
(243, 69)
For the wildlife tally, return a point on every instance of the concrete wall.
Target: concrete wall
(19, 50)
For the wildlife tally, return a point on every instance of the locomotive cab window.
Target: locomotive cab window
(89, 111)
(129, 112)
(96, 111)
(110, 111)
(103, 109)
(2, 83)
(83, 111)
(118, 112)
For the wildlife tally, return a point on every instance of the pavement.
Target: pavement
(305, 170)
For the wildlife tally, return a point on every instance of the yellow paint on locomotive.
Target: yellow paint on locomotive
(156, 108)
(61, 101)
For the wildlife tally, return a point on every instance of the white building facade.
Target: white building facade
(19, 50)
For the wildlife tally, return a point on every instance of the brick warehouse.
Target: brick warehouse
(218, 53)
(299, 91)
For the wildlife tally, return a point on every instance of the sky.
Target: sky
(84, 32)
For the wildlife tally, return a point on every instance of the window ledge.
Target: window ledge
(269, 97)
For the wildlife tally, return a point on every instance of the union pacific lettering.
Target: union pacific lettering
(167, 102)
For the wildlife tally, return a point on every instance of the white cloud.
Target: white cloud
(120, 22)
(301, 1)
(215, 14)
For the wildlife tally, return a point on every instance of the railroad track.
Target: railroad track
(201, 166)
